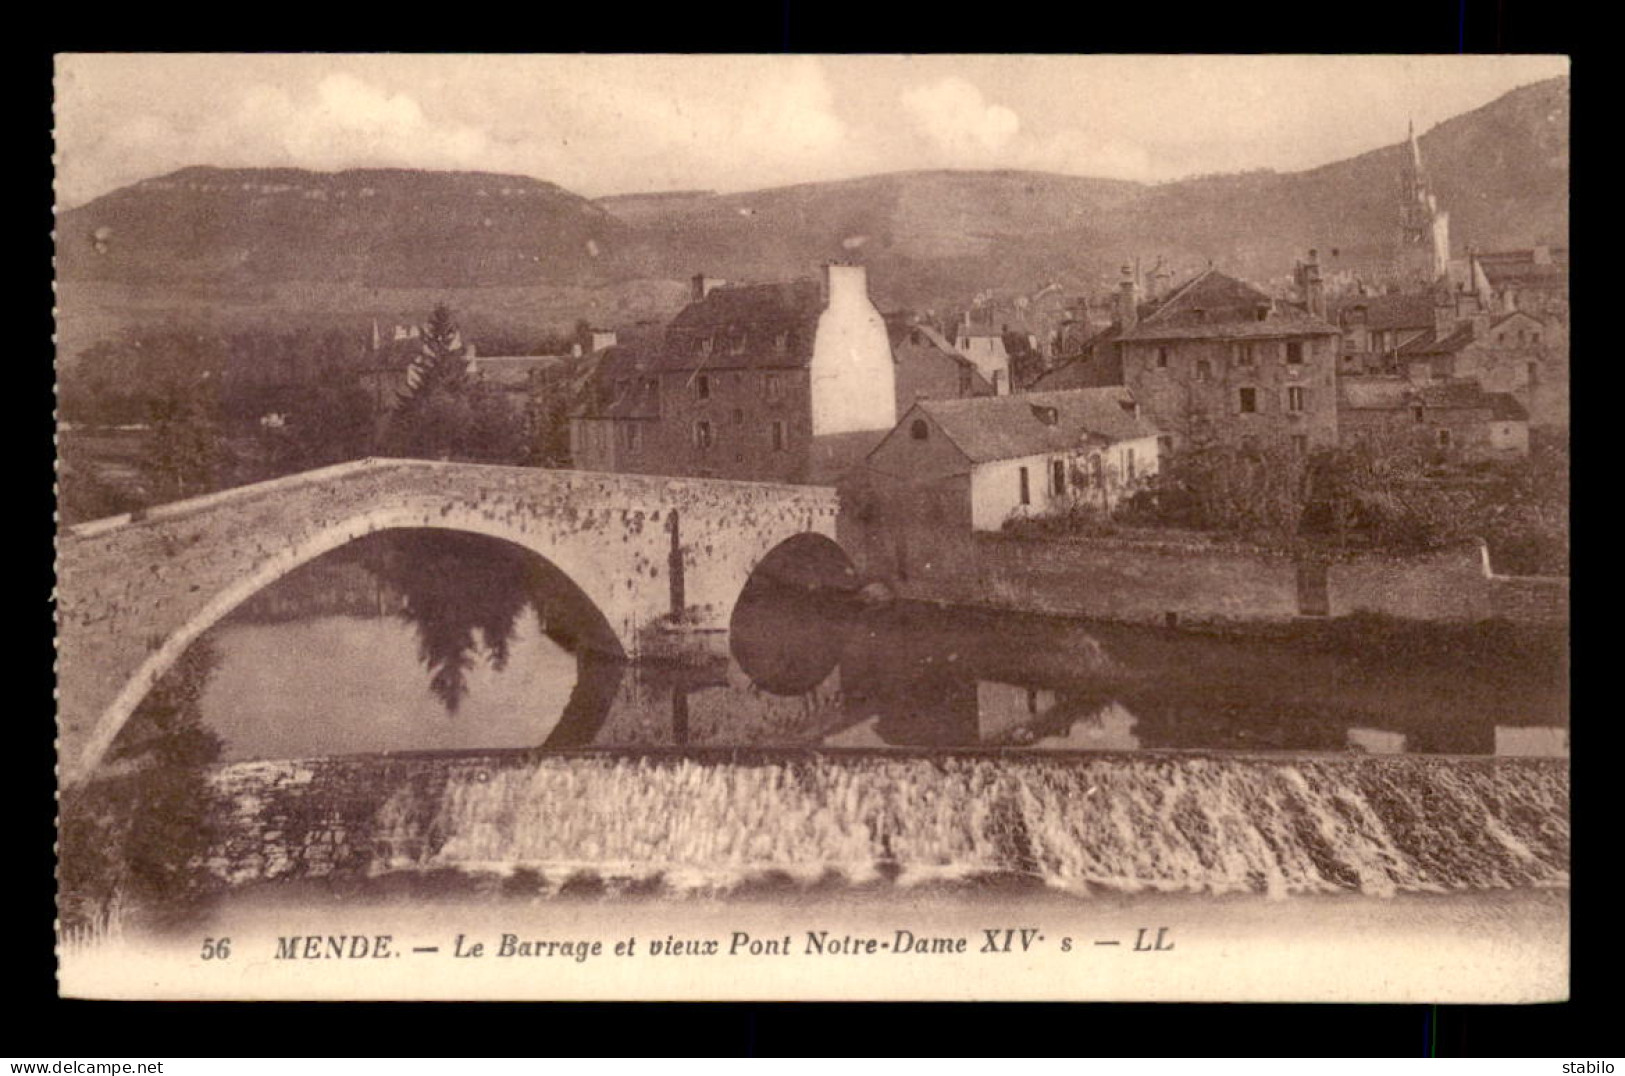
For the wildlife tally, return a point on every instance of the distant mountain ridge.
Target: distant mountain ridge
(931, 239)
(379, 227)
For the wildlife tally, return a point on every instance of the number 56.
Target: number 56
(216, 948)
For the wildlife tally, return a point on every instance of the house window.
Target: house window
(1416, 413)
(1026, 496)
(779, 341)
(1097, 470)
(1057, 477)
(1249, 401)
(702, 387)
(1245, 355)
(705, 345)
(1534, 336)
(1300, 444)
(738, 345)
(1294, 398)
(739, 416)
(1444, 438)
(1165, 444)
(919, 430)
(1128, 462)
(1162, 358)
(1534, 373)
(1294, 352)
(702, 434)
(772, 386)
(914, 337)
(781, 438)
(1204, 370)
(633, 435)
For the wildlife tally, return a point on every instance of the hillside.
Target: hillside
(373, 227)
(524, 255)
(1501, 171)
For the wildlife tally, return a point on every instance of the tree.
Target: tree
(445, 412)
(431, 417)
(185, 450)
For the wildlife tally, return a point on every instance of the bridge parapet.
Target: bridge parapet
(133, 592)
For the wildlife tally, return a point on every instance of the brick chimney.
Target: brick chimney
(1128, 300)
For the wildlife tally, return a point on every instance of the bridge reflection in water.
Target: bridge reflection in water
(463, 660)
(429, 640)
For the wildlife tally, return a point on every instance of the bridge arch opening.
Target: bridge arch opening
(467, 597)
(794, 617)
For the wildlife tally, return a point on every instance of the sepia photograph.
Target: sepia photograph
(812, 527)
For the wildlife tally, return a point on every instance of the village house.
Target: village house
(983, 344)
(1455, 421)
(982, 461)
(785, 382)
(1219, 361)
(1513, 353)
(929, 367)
(1535, 281)
(1375, 327)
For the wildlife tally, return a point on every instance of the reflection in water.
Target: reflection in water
(434, 641)
(438, 642)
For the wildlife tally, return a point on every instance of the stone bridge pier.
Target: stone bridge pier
(661, 558)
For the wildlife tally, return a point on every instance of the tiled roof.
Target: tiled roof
(1430, 344)
(1409, 311)
(515, 369)
(1396, 393)
(900, 331)
(987, 428)
(1518, 268)
(1216, 306)
(1080, 372)
(745, 326)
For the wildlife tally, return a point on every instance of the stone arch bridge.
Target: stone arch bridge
(659, 557)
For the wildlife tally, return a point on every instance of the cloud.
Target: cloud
(341, 122)
(954, 115)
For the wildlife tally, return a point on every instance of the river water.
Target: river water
(429, 641)
(428, 705)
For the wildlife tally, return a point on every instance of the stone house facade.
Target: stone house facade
(991, 459)
(1219, 362)
(759, 382)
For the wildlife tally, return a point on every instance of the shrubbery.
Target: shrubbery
(1378, 498)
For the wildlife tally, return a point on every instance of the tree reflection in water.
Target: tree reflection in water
(464, 594)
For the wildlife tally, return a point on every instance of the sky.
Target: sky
(600, 125)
